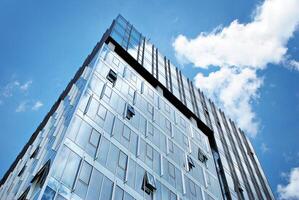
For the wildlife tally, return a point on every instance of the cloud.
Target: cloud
(37, 105)
(264, 148)
(294, 65)
(291, 190)
(26, 86)
(25, 105)
(22, 107)
(240, 50)
(9, 89)
(230, 88)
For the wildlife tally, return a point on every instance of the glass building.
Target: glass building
(130, 125)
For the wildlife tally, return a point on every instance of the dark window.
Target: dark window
(130, 111)
(34, 154)
(42, 174)
(22, 171)
(190, 163)
(201, 156)
(149, 183)
(25, 194)
(112, 76)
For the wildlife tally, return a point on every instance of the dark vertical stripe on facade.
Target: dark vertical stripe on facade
(245, 156)
(204, 106)
(157, 65)
(226, 150)
(169, 75)
(195, 100)
(250, 170)
(256, 167)
(166, 73)
(191, 97)
(139, 43)
(179, 85)
(153, 63)
(234, 146)
(227, 153)
(184, 96)
(142, 58)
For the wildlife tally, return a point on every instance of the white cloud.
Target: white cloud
(294, 65)
(37, 105)
(234, 90)
(22, 107)
(240, 50)
(291, 190)
(25, 86)
(9, 89)
(264, 148)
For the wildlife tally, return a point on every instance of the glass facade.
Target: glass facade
(131, 126)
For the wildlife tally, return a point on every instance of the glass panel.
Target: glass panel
(106, 192)
(71, 169)
(94, 187)
(48, 194)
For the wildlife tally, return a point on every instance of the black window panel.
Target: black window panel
(148, 183)
(42, 174)
(25, 194)
(34, 154)
(190, 162)
(201, 156)
(130, 111)
(22, 171)
(112, 76)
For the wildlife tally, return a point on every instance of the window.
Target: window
(122, 160)
(71, 169)
(85, 172)
(192, 188)
(183, 122)
(126, 133)
(131, 92)
(107, 92)
(148, 183)
(201, 156)
(34, 154)
(83, 180)
(150, 93)
(170, 146)
(94, 138)
(102, 112)
(112, 76)
(190, 163)
(115, 61)
(40, 177)
(150, 129)
(167, 108)
(171, 170)
(48, 194)
(25, 194)
(168, 125)
(22, 171)
(130, 111)
(150, 108)
(149, 151)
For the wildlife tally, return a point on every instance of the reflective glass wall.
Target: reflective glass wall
(155, 153)
(115, 136)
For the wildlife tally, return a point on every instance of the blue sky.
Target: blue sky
(44, 42)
